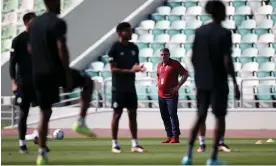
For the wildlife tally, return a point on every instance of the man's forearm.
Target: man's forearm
(118, 70)
(13, 67)
(183, 79)
(230, 68)
(64, 56)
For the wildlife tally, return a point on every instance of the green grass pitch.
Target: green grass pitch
(84, 151)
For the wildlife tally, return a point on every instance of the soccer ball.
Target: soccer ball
(58, 134)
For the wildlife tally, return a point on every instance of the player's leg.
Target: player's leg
(47, 93)
(203, 102)
(166, 119)
(86, 84)
(172, 108)
(131, 103)
(219, 107)
(201, 137)
(22, 124)
(117, 105)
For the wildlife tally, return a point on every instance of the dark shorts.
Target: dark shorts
(217, 98)
(121, 100)
(25, 96)
(47, 87)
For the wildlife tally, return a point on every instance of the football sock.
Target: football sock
(221, 141)
(134, 142)
(22, 142)
(115, 143)
(201, 140)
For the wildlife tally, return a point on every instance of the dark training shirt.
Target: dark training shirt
(212, 42)
(20, 59)
(125, 56)
(45, 30)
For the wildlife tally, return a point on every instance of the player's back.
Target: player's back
(208, 51)
(43, 40)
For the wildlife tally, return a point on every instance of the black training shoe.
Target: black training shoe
(23, 149)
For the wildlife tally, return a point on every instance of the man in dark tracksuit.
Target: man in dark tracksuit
(21, 76)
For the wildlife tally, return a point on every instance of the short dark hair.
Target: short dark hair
(122, 26)
(165, 50)
(217, 9)
(28, 16)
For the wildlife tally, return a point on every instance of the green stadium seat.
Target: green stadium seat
(244, 46)
(141, 92)
(238, 18)
(153, 92)
(229, 24)
(8, 31)
(6, 45)
(261, 31)
(264, 90)
(248, 55)
(164, 24)
(193, 24)
(266, 38)
(178, 24)
(248, 24)
(238, 3)
(164, 10)
(75, 93)
(172, 32)
(157, 46)
(178, 10)
(39, 6)
(243, 10)
(104, 59)
(266, 69)
(162, 38)
(97, 66)
(266, 24)
(265, 54)
(250, 38)
(9, 5)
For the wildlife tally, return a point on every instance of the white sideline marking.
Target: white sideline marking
(113, 30)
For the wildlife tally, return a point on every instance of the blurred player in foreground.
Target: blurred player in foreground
(124, 63)
(22, 80)
(212, 61)
(168, 71)
(51, 70)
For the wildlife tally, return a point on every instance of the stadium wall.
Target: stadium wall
(238, 119)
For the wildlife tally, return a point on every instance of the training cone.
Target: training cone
(259, 142)
(270, 140)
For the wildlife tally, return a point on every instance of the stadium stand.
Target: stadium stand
(172, 25)
(12, 13)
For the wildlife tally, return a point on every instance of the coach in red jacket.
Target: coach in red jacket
(168, 72)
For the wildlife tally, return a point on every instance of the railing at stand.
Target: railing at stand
(255, 83)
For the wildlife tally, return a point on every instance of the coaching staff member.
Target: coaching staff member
(168, 71)
(212, 63)
(51, 70)
(124, 63)
(21, 77)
